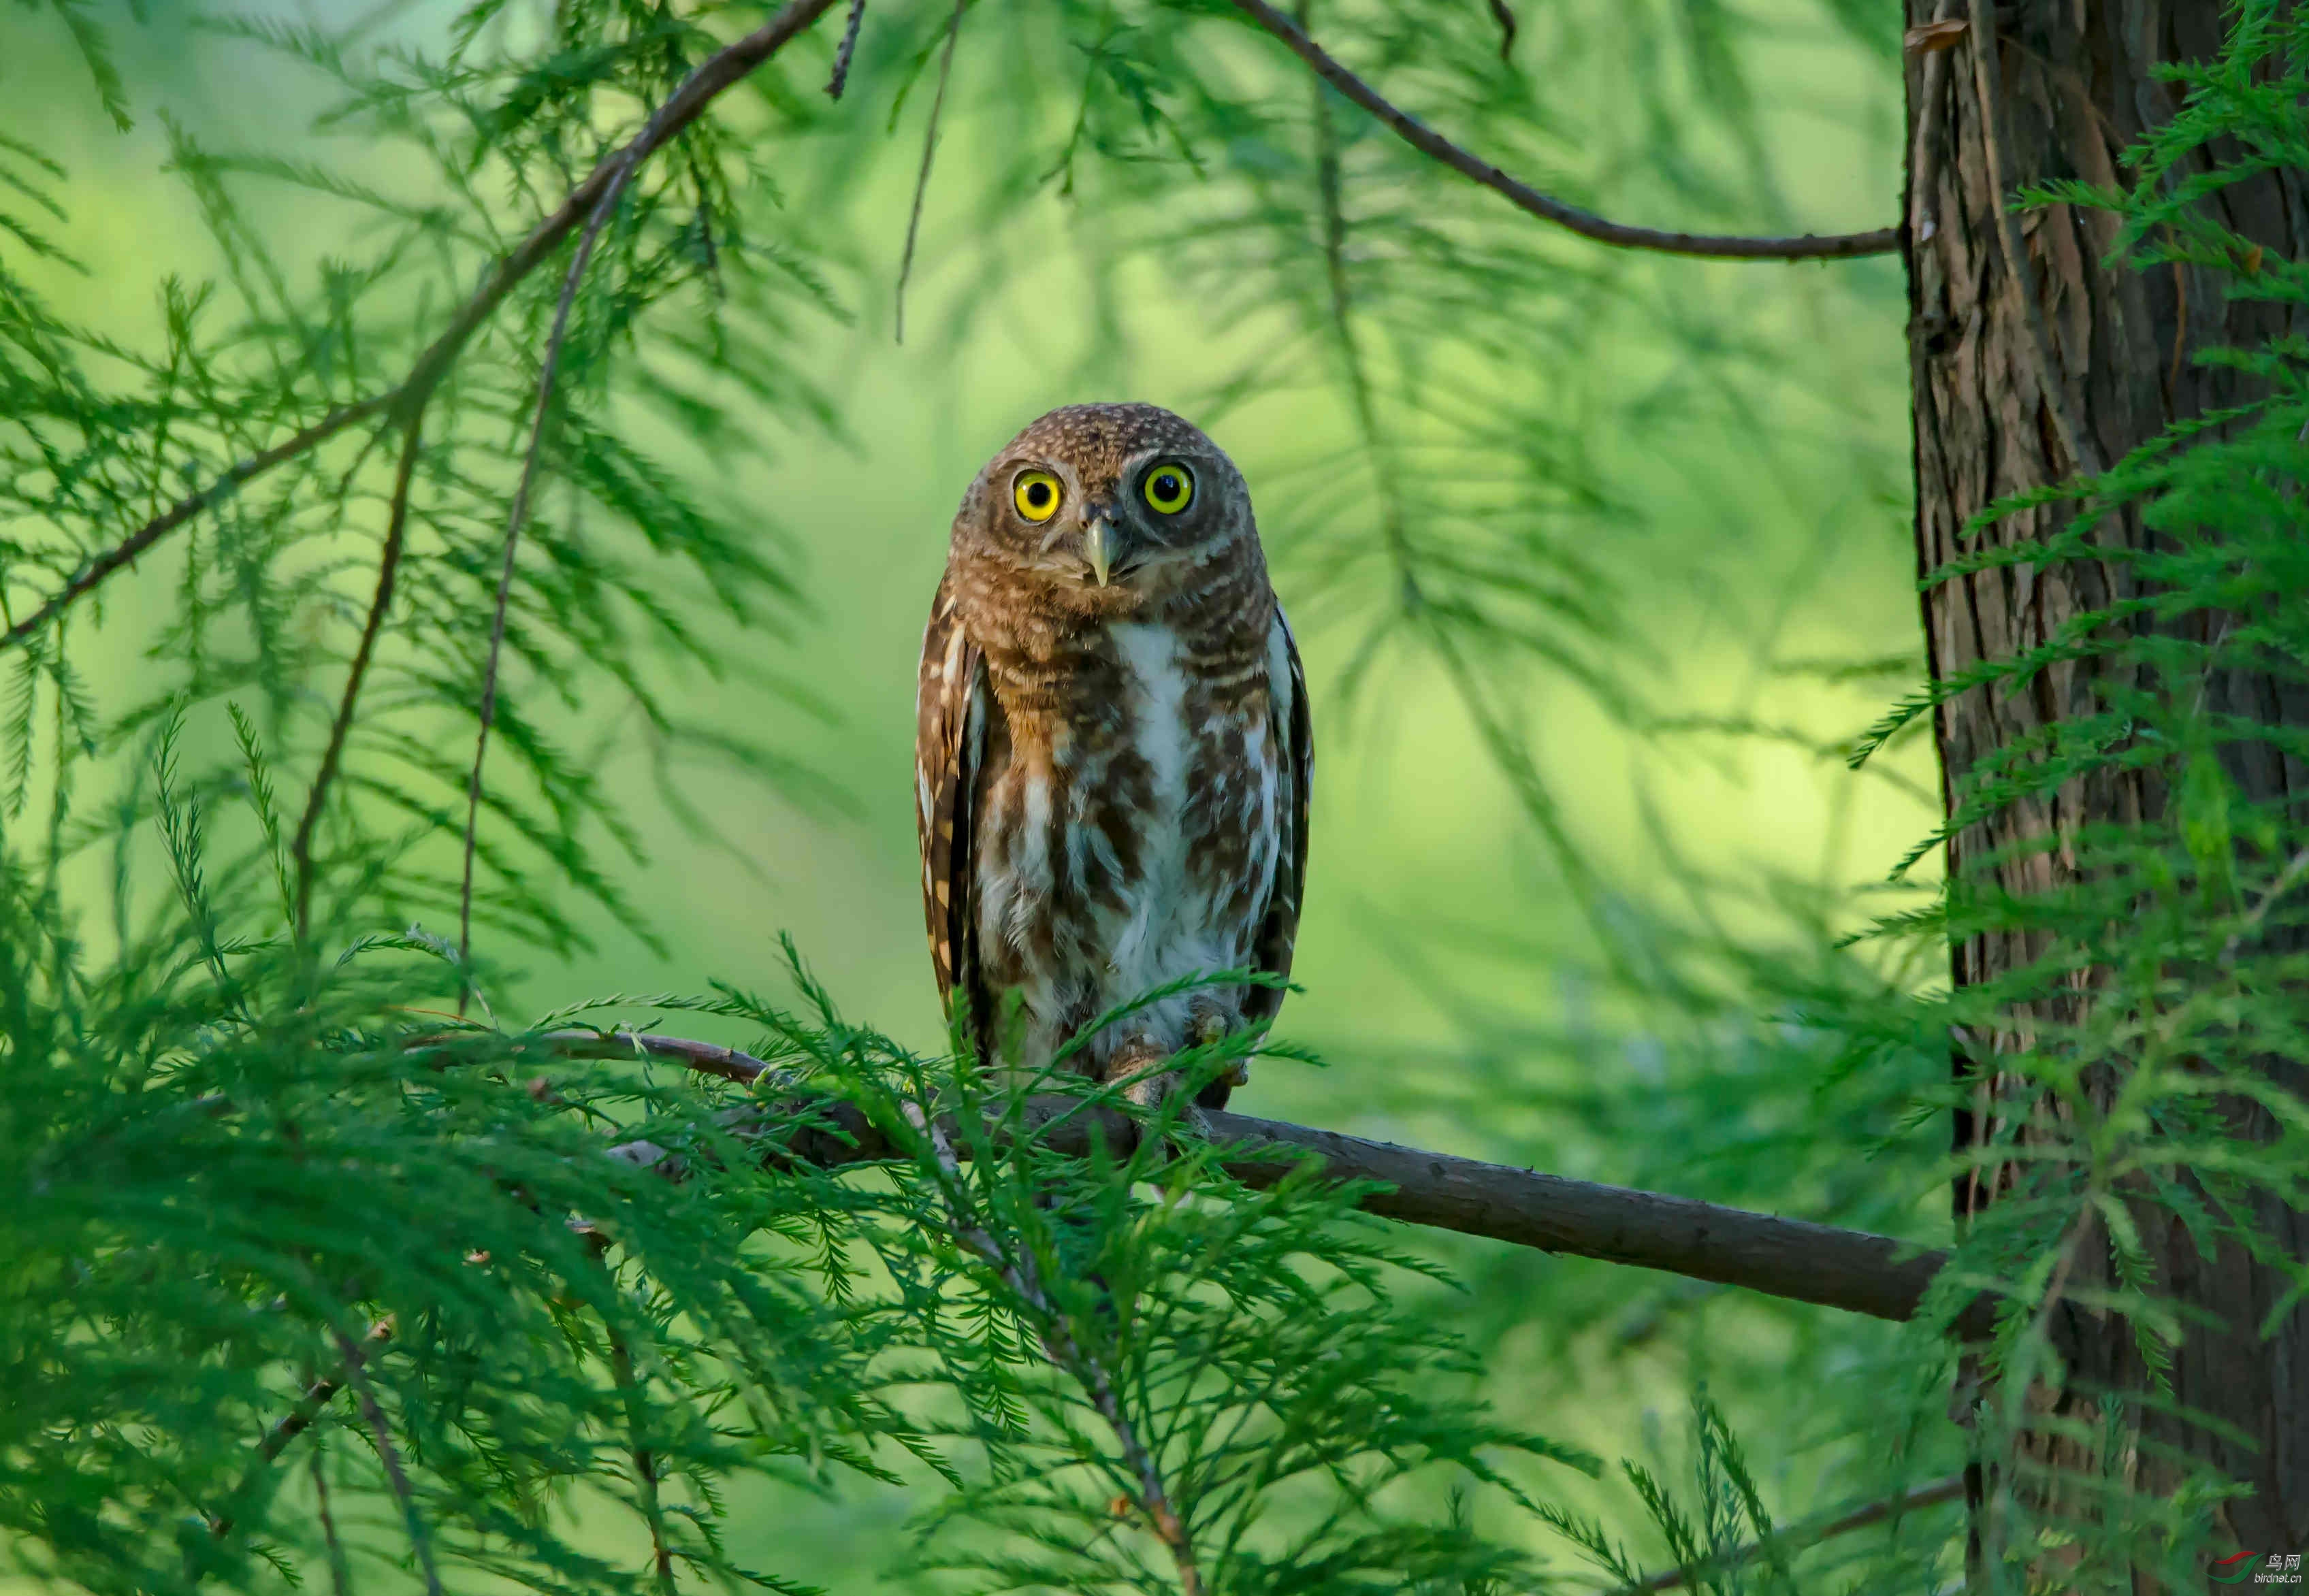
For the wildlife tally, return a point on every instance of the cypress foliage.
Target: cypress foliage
(314, 1264)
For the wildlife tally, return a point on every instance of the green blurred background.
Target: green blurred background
(1749, 420)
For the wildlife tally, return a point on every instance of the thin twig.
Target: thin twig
(608, 181)
(2286, 880)
(718, 73)
(849, 46)
(1506, 20)
(923, 178)
(1018, 1272)
(709, 1058)
(381, 1432)
(2051, 381)
(185, 509)
(285, 1428)
(340, 1572)
(388, 564)
(1859, 1518)
(1585, 223)
(621, 1371)
(514, 516)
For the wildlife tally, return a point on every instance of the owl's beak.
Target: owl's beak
(1098, 548)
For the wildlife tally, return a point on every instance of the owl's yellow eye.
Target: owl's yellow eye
(1169, 487)
(1036, 494)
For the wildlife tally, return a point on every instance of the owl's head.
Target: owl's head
(1107, 506)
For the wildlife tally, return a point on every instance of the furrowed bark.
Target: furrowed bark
(2019, 382)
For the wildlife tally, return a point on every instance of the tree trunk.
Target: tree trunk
(2001, 407)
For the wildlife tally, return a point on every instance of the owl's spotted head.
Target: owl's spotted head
(1106, 506)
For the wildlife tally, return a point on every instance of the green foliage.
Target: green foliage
(302, 1272)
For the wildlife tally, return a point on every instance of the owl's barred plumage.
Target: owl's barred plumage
(1113, 746)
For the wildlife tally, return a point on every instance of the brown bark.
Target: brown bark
(2002, 406)
(1855, 1271)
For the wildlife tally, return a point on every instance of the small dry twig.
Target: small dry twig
(923, 178)
(381, 1431)
(1585, 223)
(1506, 20)
(547, 368)
(849, 46)
(388, 565)
(1018, 1271)
(1860, 1518)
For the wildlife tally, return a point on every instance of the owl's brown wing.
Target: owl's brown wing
(950, 707)
(1294, 740)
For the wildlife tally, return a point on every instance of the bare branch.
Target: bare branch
(1585, 223)
(295, 1422)
(1950, 1489)
(923, 178)
(388, 564)
(1855, 1271)
(840, 79)
(718, 73)
(645, 1468)
(596, 200)
(340, 1577)
(1506, 20)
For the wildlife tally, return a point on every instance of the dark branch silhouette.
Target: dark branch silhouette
(1808, 247)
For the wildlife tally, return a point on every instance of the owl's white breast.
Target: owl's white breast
(1175, 917)
(1185, 778)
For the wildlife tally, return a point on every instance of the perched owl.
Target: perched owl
(1113, 749)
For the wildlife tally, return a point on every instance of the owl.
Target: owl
(1112, 751)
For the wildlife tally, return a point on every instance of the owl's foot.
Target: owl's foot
(1148, 1083)
(1207, 1028)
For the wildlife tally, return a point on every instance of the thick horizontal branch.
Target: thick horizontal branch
(719, 71)
(1853, 1270)
(1808, 247)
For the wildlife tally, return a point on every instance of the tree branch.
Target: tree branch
(295, 1421)
(1805, 1534)
(388, 565)
(1853, 1270)
(1585, 223)
(548, 365)
(719, 71)
(846, 49)
(1018, 1272)
(381, 1431)
(177, 515)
